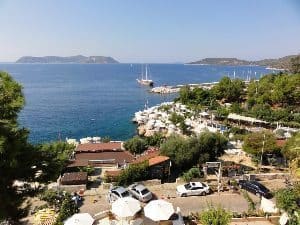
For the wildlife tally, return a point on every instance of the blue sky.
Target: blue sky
(150, 30)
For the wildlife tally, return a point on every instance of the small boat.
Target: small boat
(145, 81)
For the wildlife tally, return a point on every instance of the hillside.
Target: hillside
(69, 59)
(280, 63)
(222, 61)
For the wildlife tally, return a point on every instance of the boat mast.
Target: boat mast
(146, 73)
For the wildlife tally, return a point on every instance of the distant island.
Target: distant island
(280, 63)
(69, 59)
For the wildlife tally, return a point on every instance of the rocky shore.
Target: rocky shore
(158, 119)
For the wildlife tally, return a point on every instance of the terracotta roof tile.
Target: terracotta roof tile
(117, 157)
(157, 160)
(98, 147)
(154, 158)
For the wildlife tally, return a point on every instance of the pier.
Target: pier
(176, 88)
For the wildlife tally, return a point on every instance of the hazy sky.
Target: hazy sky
(150, 30)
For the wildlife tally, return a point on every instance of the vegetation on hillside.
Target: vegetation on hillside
(19, 160)
(187, 152)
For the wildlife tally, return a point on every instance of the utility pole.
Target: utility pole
(262, 152)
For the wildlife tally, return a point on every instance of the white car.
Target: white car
(140, 192)
(192, 188)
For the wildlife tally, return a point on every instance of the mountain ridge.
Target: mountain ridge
(69, 59)
(279, 63)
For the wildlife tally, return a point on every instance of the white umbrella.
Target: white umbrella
(79, 219)
(157, 210)
(126, 207)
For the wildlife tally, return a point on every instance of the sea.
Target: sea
(81, 100)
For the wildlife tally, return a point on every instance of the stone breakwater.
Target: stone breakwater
(157, 119)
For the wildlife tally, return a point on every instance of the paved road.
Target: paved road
(232, 202)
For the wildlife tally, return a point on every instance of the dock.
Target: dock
(176, 88)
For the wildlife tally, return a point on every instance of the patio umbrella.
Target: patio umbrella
(79, 219)
(157, 210)
(126, 207)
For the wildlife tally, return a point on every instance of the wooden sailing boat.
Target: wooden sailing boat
(145, 81)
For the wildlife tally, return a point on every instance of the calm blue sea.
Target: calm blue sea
(79, 100)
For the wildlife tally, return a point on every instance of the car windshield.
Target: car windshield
(187, 186)
(260, 186)
(125, 194)
(145, 191)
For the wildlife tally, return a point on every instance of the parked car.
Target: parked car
(140, 192)
(192, 188)
(255, 188)
(116, 193)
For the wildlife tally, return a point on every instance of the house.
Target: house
(101, 155)
(74, 178)
(159, 165)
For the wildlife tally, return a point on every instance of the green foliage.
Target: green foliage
(106, 139)
(253, 143)
(11, 98)
(186, 152)
(215, 216)
(67, 209)
(134, 173)
(251, 204)
(16, 154)
(196, 96)
(89, 169)
(292, 148)
(176, 118)
(190, 174)
(286, 200)
(61, 201)
(155, 140)
(295, 65)
(52, 158)
(230, 90)
(136, 145)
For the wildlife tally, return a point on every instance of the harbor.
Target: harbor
(166, 89)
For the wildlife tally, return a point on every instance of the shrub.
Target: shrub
(134, 173)
(135, 145)
(192, 173)
(215, 216)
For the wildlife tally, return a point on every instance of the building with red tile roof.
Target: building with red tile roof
(99, 147)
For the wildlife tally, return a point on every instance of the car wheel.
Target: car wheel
(203, 193)
(240, 186)
(184, 195)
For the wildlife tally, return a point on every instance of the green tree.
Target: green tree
(291, 149)
(295, 65)
(255, 142)
(286, 200)
(187, 152)
(215, 216)
(15, 153)
(52, 158)
(134, 173)
(229, 90)
(135, 145)
(155, 140)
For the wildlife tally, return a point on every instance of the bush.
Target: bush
(192, 173)
(89, 169)
(215, 216)
(134, 173)
(135, 145)
(155, 140)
